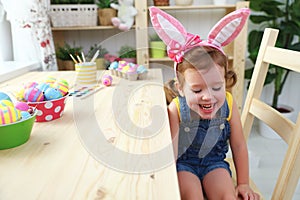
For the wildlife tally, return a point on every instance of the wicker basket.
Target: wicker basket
(73, 15)
(161, 2)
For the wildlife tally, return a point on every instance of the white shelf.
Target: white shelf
(197, 7)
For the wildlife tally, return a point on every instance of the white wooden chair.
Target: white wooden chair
(254, 107)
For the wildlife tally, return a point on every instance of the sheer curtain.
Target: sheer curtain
(30, 31)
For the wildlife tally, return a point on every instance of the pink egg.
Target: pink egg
(22, 106)
(33, 95)
(30, 84)
(107, 80)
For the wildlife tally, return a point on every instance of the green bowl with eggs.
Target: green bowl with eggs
(17, 133)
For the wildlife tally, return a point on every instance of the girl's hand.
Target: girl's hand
(246, 193)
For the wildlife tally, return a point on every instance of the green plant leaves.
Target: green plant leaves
(282, 15)
(63, 52)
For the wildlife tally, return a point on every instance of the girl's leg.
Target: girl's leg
(190, 186)
(218, 184)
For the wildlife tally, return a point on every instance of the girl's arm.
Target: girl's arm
(240, 156)
(174, 126)
(239, 147)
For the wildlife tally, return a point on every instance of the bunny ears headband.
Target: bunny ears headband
(179, 41)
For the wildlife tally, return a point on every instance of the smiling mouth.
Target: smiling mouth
(207, 107)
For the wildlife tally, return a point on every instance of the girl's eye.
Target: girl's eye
(217, 88)
(197, 91)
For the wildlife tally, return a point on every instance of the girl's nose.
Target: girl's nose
(206, 95)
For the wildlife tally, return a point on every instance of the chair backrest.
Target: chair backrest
(254, 107)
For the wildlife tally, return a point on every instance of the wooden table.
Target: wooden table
(106, 146)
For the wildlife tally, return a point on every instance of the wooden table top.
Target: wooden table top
(114, 144)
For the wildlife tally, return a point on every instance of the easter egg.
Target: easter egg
(9, 114)
(33, 95)
(125, 68)
(4, 96)
(50, 80)
(6, 103)
(43, 86)
(113, 65)
(141, 69)
(25, 115)
(107, 80)
(62, 85)
(52, 93)
(20, 94)
(22, 106)
(30, 85)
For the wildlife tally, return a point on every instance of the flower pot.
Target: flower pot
(100, 63)
(266, 131)
(65, 64)
(161, 2)
(183, 2)
(105, 15)
(157, 49)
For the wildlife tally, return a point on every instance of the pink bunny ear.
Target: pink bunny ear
(174, 35)
(228, 28)
(167, 27)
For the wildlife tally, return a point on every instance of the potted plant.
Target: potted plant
(280, 15)
(161, 2)
(64, 59)
(100, 61)
(127, 53)
(105, 12)
(157, 47)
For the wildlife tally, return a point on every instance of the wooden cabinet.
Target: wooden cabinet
(236, 51)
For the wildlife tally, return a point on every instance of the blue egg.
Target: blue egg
(25, 115)
(4, 96)
(43, 86)
(52, 93)
(141, 69)
(114, 65)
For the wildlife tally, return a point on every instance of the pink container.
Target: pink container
(49, 110)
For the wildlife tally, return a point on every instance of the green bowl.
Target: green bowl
(15, 134)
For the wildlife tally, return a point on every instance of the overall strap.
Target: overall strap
(214, 131)
(184, 110)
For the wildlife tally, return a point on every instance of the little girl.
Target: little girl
(204, 117)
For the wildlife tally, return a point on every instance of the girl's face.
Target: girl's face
(204, 90)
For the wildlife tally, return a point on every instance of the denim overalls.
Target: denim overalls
(203, 143)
